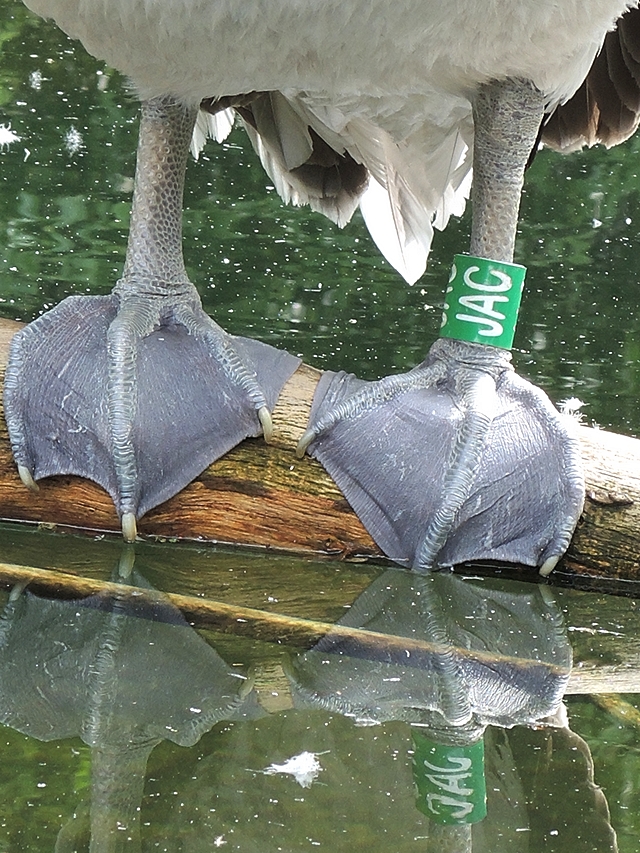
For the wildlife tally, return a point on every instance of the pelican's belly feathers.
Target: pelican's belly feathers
(338, 48)
(389, 81)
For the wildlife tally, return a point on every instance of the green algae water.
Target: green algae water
(126, 727)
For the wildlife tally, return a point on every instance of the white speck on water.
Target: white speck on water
(73, 140)
(304, 768)
(7, 136)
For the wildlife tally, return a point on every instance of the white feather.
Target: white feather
(389, 82)
(407, 256)
(283, 130)
(217, 126)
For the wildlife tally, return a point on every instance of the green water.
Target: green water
(93, 685)
(289, 277)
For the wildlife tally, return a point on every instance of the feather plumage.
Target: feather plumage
(385, 86)
(606, 107)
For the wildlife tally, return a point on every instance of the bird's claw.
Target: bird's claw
(266, 421)
(129, 527)
(27, 478)
(307, 437)
(549, 565)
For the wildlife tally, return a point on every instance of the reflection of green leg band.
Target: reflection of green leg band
(482, 301)
(449, 780)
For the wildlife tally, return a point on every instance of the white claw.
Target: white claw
(27, 479)
(129, 527)
(549, 565)
(127, 561)
(304, 443)
(264, 416)
(17, 590)
(547, 595)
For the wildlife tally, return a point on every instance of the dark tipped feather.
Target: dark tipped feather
(629, 29)
(606, 108)
(330, 173)
(325, 173)
(572, 125)
(618, 62)
(304, 167)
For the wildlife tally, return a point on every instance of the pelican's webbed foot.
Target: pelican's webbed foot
(137, 394)
(141, 390)
(459, 459)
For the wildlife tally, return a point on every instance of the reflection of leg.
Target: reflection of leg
(75, 833)
(118, 773)
(501, 451)
(156, 333)
(454, 695)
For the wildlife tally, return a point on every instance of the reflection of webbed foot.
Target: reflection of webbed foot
(138, 394)
(459, 459)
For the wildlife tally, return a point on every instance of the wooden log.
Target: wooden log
(263, 496)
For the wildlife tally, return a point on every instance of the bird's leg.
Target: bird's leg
(439, 471)
(140, 391)
(507, 116)
(155, 290)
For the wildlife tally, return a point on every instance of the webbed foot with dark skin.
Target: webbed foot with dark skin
(459, 459)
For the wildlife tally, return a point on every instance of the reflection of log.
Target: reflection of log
(264, 496)
(299, 634)
(619, 708)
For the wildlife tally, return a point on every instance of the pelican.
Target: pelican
(391, 107)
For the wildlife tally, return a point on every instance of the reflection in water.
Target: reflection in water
(482, 657)
(432, 670)
(121, 674)
(476, 657)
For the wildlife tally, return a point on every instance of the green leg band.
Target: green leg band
(450, 780)
(482, 301)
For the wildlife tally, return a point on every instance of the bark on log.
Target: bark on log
(259, 495)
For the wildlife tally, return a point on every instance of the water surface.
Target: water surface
(289, 277)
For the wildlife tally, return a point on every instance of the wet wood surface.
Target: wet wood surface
(263, 496)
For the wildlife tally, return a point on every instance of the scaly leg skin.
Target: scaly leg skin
(141, 390)
(460, 459)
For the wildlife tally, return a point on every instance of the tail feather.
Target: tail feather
(303, 166)
(406, 251)
(217, 126)
(315, 155)
(606, 107)
(424, 186)
(282, 131)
